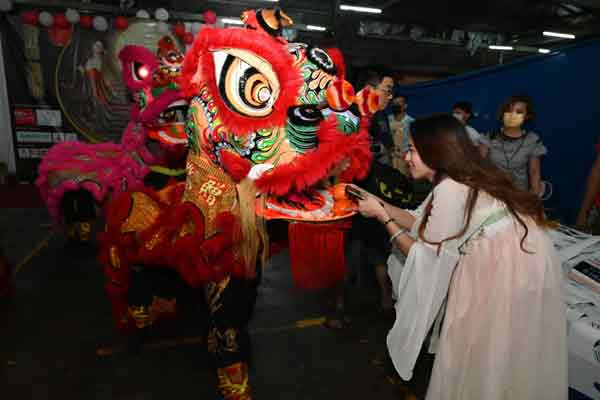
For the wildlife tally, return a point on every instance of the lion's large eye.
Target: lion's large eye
(247, 82)
(140, 71)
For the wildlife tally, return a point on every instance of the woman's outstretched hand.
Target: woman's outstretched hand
(371, 207)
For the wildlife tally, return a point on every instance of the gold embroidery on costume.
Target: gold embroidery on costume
(210, 189)
(233, 382)
(143, 213)
(115, 261)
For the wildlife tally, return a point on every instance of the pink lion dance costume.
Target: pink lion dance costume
(74, 177)
(273, 130)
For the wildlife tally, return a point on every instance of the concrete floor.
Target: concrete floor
(60, 316)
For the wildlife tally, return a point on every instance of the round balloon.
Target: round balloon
(86, 21)
(46, 19)
(121, 23)
(161, 14)
(61, 21)
(72, 16)
(100, 23)
(142, 14)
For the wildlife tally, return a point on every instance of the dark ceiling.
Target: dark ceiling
(437, 37)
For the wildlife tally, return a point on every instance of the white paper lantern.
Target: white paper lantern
(161, 14)
(162, 27)
(46, 19)
(6, 5)
(196, 26)
(100, 23)
(72, 16)
(142, 14)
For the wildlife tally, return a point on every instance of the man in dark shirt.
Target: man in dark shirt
(390, 185)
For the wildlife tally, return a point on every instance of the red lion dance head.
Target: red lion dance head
(277, 118)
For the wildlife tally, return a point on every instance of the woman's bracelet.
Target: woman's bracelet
(395, 235)
(388, 221)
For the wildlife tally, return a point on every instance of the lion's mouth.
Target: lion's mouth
(324, 201)
(175, 113)
(169, 127)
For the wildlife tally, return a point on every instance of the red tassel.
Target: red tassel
(317, 254)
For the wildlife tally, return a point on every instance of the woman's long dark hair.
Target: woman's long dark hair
(443, 144)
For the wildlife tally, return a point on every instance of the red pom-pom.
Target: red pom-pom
(188, 38)
(30, 17)
(86, 21)
(60, 21)
(121, 23)
(235, 165)
(179, 29)
(340, 95)
(210, 17)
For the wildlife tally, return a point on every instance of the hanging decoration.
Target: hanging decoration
(210, 17)
(86, 21)
(46, 19)
(142, 14)
(161, 14)
(188, 38)
(179, 29)
(30, 17)
(60, 32)
(72, 16)
(121, 23)
(61, 21)
(100, 23)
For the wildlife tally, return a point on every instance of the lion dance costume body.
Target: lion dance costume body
(74, 177)
(270, 126)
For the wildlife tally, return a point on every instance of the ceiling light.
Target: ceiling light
(500, 47)
(232, 21)
(315, 28)
(345, 7)
(559, 35)
(543, 51)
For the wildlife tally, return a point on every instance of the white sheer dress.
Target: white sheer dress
(503, 334)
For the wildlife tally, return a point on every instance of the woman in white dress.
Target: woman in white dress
(480, 264)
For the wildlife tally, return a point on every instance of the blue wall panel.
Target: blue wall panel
(565, 87)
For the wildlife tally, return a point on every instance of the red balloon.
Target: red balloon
(60, 21)
(30, 17)
(86, 21)
(179, 29)
(210, 17)
(121, 23)
(188, 38)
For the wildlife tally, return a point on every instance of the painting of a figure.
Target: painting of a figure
(88, 79)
